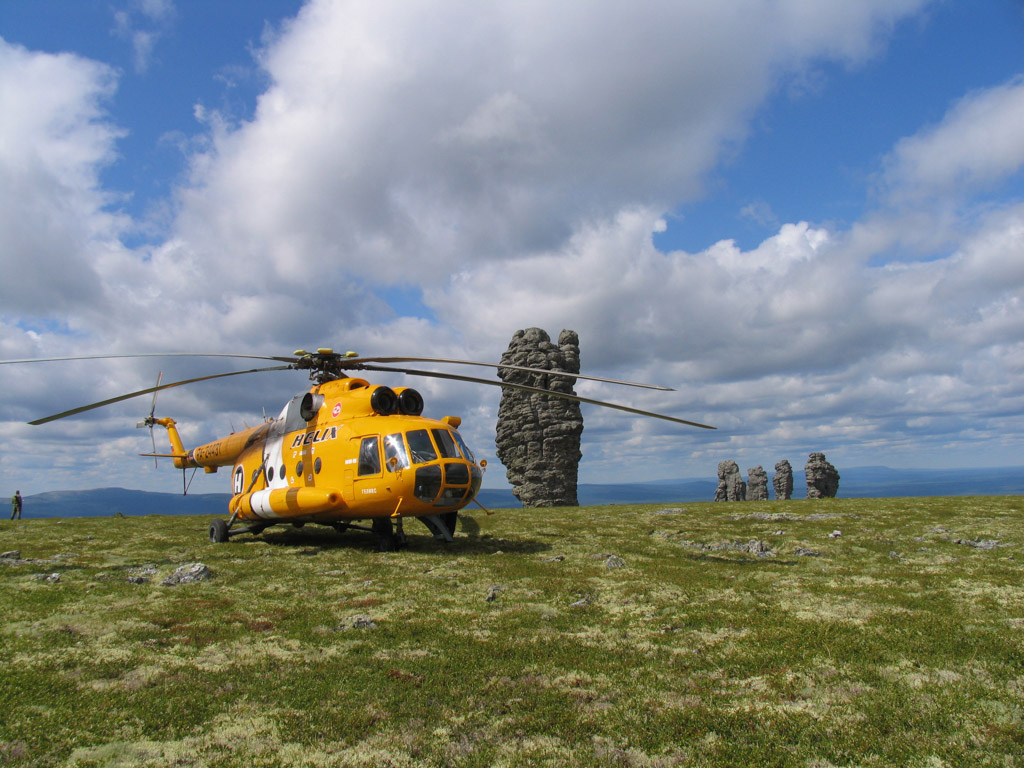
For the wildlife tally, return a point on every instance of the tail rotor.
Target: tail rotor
(148, 421)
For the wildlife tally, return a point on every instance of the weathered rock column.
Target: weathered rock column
(757, 484)
(538, 436)
(782, 481)
(822, 477)
(730, 483)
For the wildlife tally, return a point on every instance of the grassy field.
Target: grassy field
(698, 635)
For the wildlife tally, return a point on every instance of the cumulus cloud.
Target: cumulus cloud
(55, 139)
(404, 139)
(977, 144)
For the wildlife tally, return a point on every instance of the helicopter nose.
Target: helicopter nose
(451, 483)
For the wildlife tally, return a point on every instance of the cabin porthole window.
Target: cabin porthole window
(298, 468)
(317, 465)
(283, 472)
(270, 475)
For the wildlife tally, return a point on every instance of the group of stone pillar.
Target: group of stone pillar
(822, 481)
(538, 436)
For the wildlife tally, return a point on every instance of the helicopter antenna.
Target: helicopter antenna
(149, 421)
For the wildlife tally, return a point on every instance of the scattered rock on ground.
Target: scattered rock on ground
(188, 574)
(359, 621)
(754, 547)
(493, 592)
(771, 517)
(979, 543)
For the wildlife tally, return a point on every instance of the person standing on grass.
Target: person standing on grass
(16, 505)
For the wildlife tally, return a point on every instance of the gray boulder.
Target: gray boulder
(782, 481)
(822, 478)
(187, 574)
(538, 436)
(730, 483)
(757, 484)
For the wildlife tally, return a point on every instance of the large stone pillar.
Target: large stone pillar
(538, 436)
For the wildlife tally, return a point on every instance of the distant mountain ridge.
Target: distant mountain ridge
(855, 482)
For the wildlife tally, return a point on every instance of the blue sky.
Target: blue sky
(806, 217)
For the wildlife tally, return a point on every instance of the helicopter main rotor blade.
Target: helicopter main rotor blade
(537, 390)
(342, 363)
(150, 354)
(129, 396)
(356, 363)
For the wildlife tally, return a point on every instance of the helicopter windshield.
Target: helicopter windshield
(466, 453)
(445, 444)
(420, 447)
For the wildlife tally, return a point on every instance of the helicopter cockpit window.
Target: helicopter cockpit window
(466, 453)
(420, 447)
(369, 456)
(394, 448)
(445, 444)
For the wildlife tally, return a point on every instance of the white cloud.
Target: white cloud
(55, 139)
(143, 23)
(977, 144)
(410, 138)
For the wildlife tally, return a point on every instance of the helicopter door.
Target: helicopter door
(368, 469)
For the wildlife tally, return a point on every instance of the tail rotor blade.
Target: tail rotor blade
(156, 390)
(152, 412)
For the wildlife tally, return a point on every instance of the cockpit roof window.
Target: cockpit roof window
(293, 420)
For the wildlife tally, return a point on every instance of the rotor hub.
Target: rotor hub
(325, 364)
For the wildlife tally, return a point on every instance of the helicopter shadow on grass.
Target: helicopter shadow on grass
(310, 540)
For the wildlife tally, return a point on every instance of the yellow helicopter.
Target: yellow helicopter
(344, 451)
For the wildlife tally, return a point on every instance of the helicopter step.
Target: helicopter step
(442, 526)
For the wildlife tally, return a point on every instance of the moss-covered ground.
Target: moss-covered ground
(861, 632)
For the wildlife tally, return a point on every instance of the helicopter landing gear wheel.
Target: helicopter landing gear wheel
(450, 519)
(219, 531)
(386, 539)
